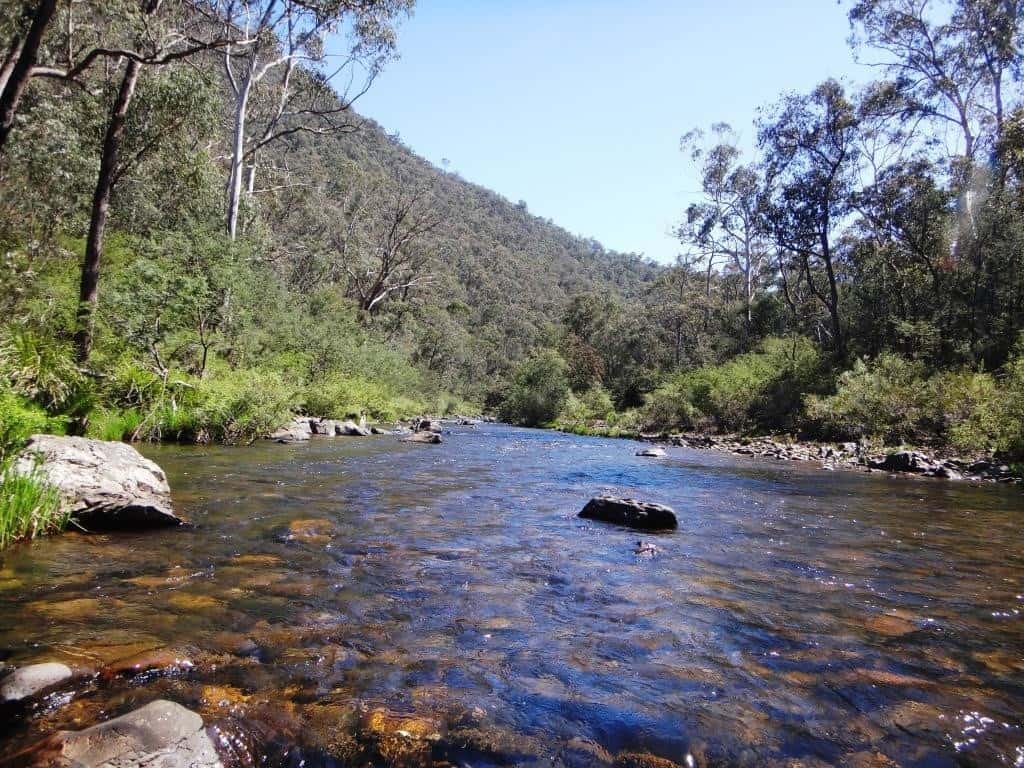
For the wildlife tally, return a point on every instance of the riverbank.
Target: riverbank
(862, 456)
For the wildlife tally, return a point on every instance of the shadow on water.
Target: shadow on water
(796, 614)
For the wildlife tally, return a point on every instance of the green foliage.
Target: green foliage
(338, 396)
(19, 419)
(29, 507)
(896, 401)
(40, 368)
(231, 406)
(107, 424)
(886, 398)
(538, 392)
(756, 389)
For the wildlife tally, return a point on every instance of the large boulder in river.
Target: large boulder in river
(103, 485)
(429, 438)
(632, 513)
(159, 735)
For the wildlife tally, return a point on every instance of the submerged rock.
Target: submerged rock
(654, 451)
(103, 485)
(632, 513)
(641, 760)
(431, 438)
(162, 661)
(159, 735)
(28, 681)
(646, 549)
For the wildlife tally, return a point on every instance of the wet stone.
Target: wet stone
(632, 513)
(30, 680)
(652, 452)
(428, 438)
(162, 734)
(641, 760)
(163, 661)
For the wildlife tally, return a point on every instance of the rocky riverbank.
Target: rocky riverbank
(852, 455)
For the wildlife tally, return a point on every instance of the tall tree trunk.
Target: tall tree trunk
(237, 156)
(20, 70)
(88, 290)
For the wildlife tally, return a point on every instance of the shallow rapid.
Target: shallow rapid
(828, 617)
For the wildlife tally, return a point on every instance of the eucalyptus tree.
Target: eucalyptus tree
(152, 33)
(381, 248)
(282, 77)
(812, 156)
(729, 220)
(954, 61)
(24, 27)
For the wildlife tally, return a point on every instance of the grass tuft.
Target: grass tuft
(29, 506)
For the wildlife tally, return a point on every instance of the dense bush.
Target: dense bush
(759, 389)
(230, 406)
(339, 397)
(539, 391)
(896, 400)
(887, 398)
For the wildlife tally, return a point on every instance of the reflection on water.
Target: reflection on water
(796, 615)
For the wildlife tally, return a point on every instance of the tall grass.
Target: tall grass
(29, 506)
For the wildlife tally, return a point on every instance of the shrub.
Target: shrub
(115, 424)
(339, 397)
(41, 369)
(29, 507)
(886, 398)
(968, 411)
(231, 406)
(538, 392)
(761, 388)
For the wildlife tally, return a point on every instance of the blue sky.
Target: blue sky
(577, 106)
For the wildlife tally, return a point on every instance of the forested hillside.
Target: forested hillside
(201, 235)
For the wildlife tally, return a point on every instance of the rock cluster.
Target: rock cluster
(852, 455)
(302, 428)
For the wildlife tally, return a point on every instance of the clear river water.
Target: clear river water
(354, 601)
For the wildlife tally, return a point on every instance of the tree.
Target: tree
(953, 68)
(812, 156)
(379, 248)
(280, 76)
(181, 107)
(538, 392)
(730, 220)
(26, 39)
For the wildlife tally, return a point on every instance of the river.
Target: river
(796, 615)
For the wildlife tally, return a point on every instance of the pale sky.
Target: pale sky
(577, 106)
